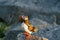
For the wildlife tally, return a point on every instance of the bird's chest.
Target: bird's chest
(24, 26)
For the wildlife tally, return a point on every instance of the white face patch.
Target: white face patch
(23, 17)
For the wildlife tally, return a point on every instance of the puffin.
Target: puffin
(27, 26)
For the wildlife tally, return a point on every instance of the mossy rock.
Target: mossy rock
(3, 27)
(1, 34)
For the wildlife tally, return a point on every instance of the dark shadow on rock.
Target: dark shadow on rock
(10, 13)
(12, 35)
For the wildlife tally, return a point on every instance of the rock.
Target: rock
(11, 9)
(37, 38)
(38, 5)
(43, 22)
(39, 23)
(52, 33)
(17, 35)
(12, 35)
(41, 9)
(32, 37)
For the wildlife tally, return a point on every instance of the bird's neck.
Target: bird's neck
(26, 21)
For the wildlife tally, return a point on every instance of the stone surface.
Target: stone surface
(15, 35)
(9, 10)
(38, 5)
(11, 13)
(37, 38)
(51, 32)
(45, 10)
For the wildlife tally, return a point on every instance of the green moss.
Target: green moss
(3, 26)
(1, 34)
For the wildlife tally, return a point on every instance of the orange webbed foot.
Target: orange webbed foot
(27, 35)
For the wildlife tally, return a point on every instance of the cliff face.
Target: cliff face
(42, 13)
(10, 9)
(38, 5)
(32, 37)
(46, 30)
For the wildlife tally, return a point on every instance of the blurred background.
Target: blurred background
(43, 14)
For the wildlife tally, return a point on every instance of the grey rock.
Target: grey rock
(11, 13)
(48, 32)
(51, 33)
(10, 9)
(38, 5)
(12, 35)
(41, 10)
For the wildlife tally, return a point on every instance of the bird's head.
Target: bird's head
(23, 18)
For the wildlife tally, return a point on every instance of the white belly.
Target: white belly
(25, 27)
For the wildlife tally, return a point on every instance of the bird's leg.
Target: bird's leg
(27, 35)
